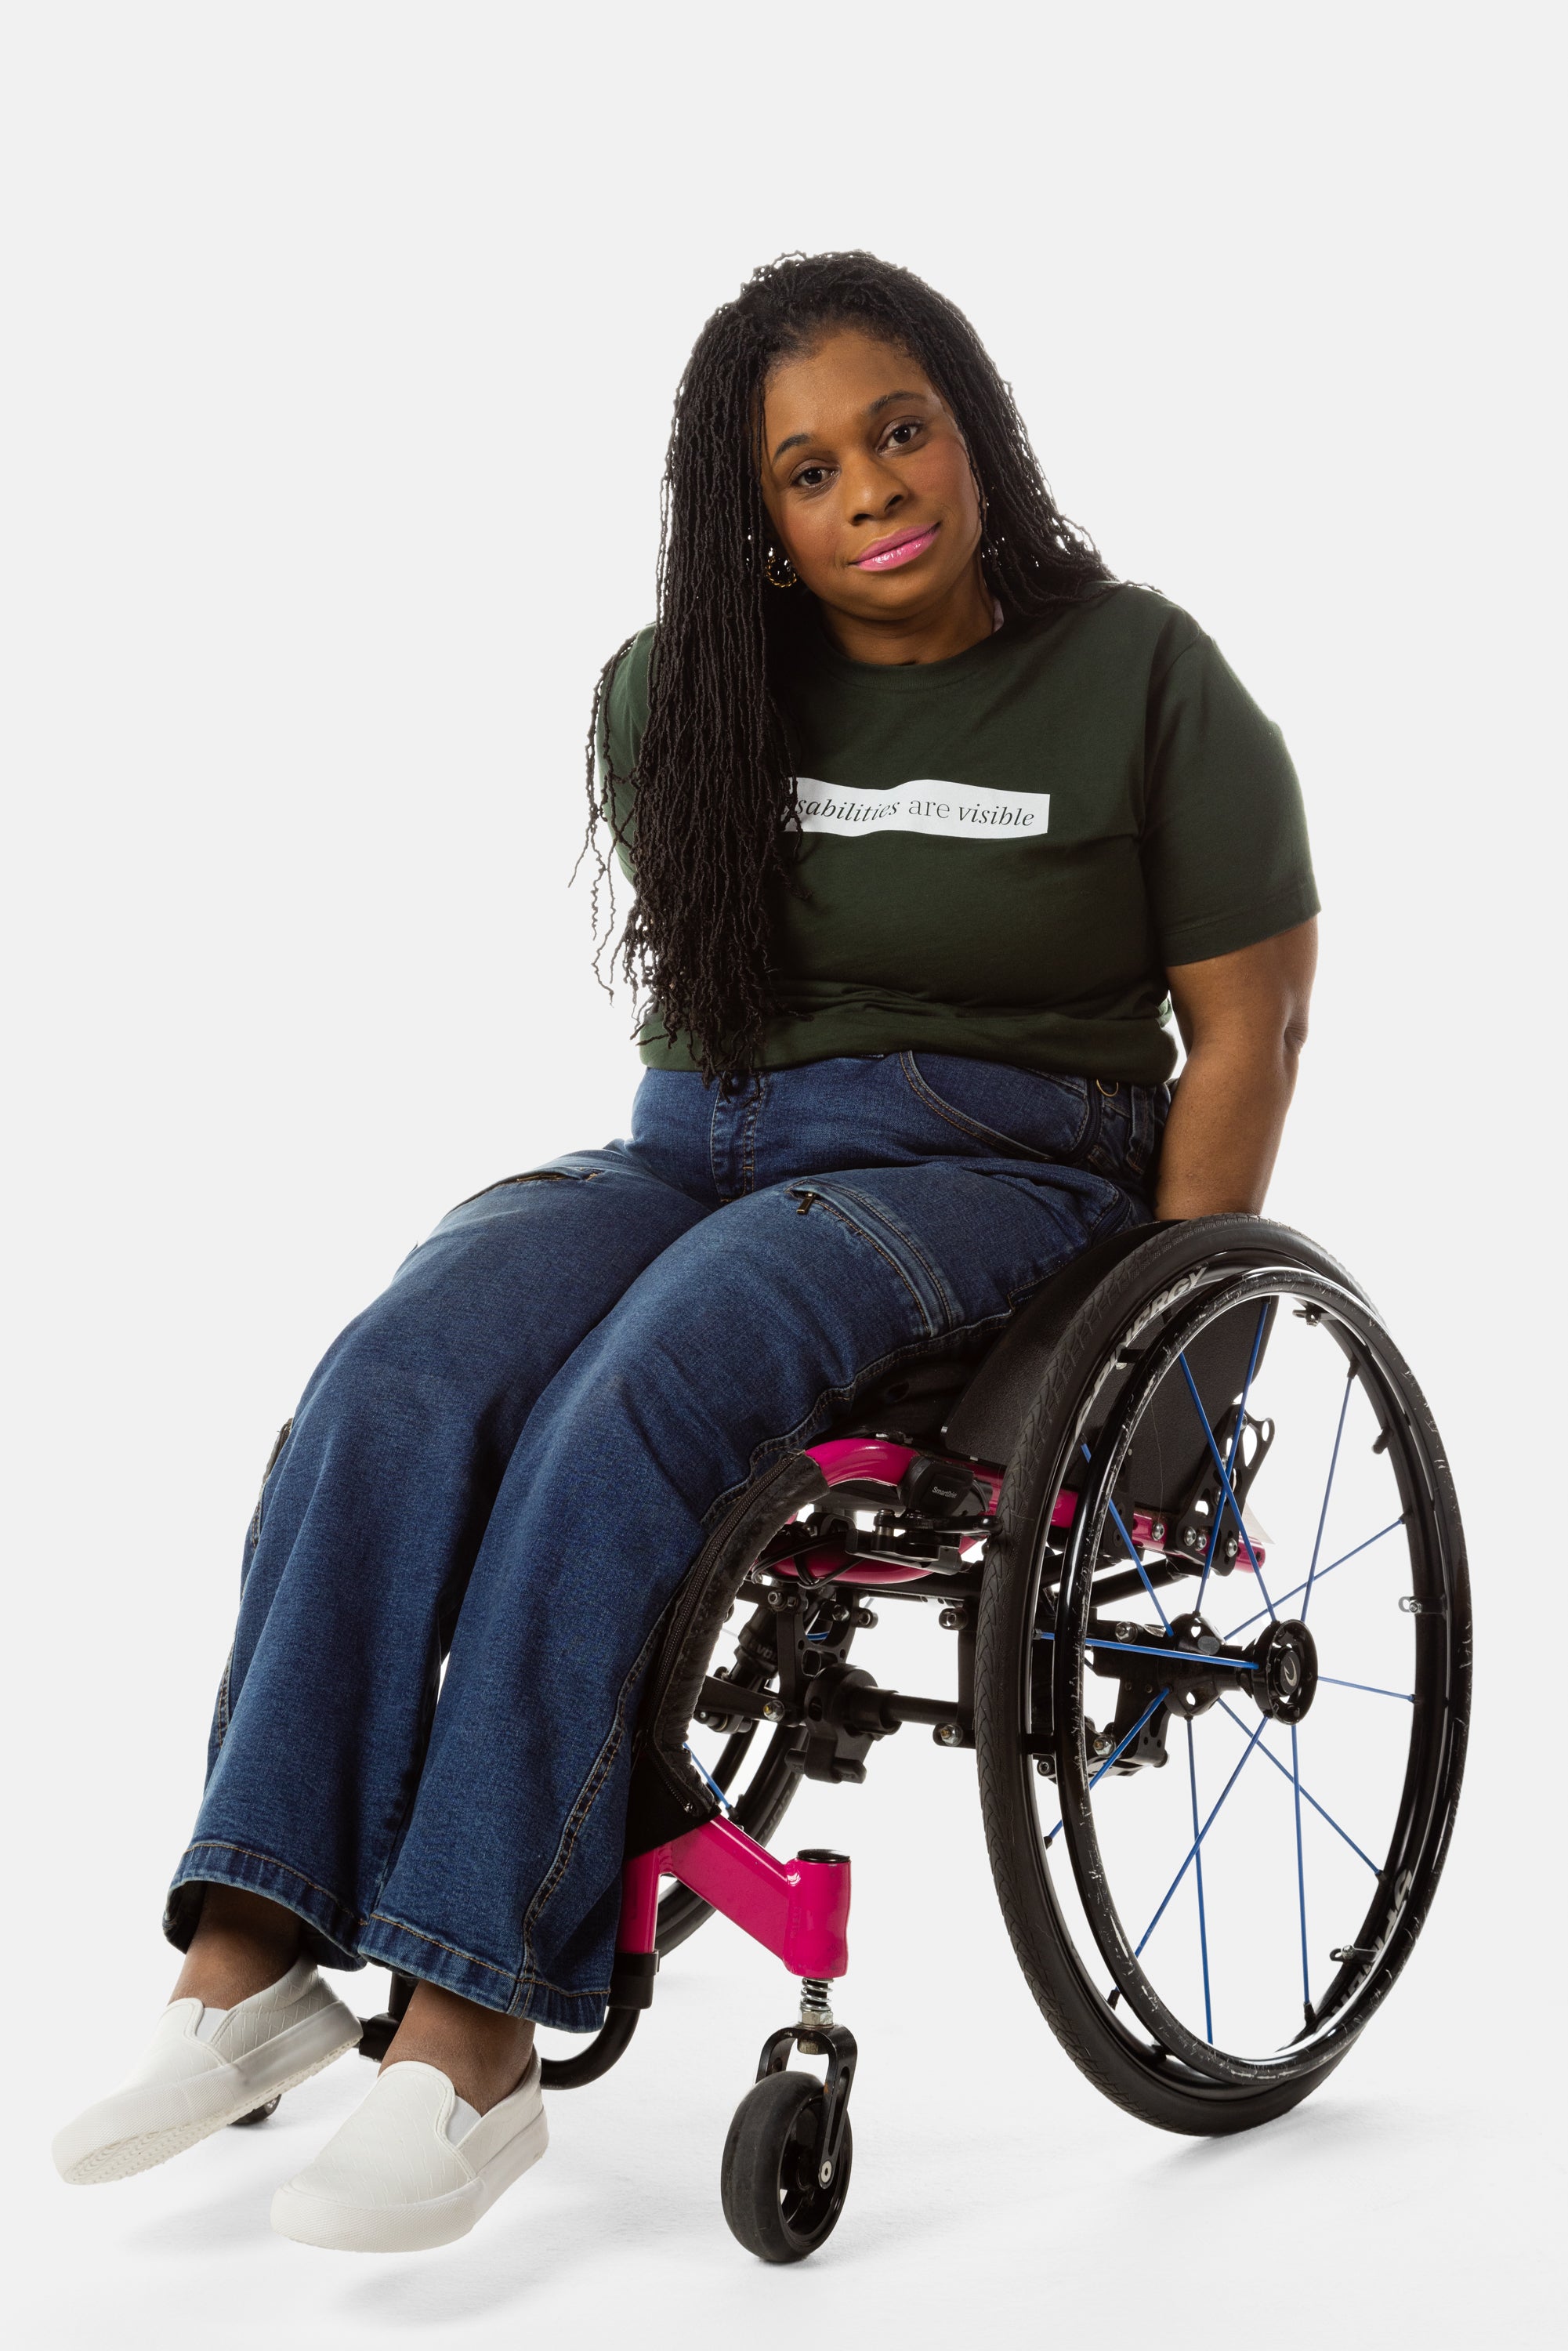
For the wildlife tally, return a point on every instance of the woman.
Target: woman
(928, 817)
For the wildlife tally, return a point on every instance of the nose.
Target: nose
(872, 491)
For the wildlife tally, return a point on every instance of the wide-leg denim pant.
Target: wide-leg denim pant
(509, 1461)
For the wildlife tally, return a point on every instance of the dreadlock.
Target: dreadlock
(712, 796)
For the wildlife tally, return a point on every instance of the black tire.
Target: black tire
(1161, 1288)
(773, 2199)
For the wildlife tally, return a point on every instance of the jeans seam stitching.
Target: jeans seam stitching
(883, 1215)
(977, 1129)
(222, 1725)
(749, 1168)
(228, 1844)
(454, 1951)
(531, 1982)
(582, 1805)
(871, 1241)
(908, 1239)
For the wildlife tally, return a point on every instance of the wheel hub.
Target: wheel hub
(1286, 1680)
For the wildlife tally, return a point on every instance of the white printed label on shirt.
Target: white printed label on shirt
(950, 811)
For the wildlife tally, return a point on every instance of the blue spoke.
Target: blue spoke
(1235, 1441)
(1307, 1794)
(1327, 1489)
(1301, 1874)
(1116, 1752)
(1371, 1688)
(1133, 1555)
(1360, 1547)
(1226, 1488)
(1198, 1866)
(1194, 1657)
(1137, 1562)
(707, 1775)
(1208, 1823)
(1139, 1650)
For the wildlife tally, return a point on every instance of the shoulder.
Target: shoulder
(1139, 627)
(1122, 638)
(626, 700)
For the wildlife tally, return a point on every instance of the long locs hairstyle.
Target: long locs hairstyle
(708, 813)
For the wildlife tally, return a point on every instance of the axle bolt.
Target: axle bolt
(952, 1620)
(1192, 1539)
(948, 1734)
(825, 2174)
(1124, 1632)
(1102, 1746)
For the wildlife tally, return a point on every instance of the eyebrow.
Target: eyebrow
(888, 399)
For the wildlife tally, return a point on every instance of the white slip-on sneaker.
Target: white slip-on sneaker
(416, 2166)
(205, 2068)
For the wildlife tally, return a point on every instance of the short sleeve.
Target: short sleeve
(625, 707)
(1224, 844)
(622, 716)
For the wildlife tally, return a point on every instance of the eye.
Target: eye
(809, 477)
(900, 436)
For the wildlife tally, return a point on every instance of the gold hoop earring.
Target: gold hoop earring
(790, 578)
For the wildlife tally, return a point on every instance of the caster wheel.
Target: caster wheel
(256, 2114)
(773, 2199)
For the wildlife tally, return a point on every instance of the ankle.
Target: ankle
(483, 2053)
(242, 1944)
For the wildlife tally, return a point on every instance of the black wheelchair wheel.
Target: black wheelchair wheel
(775, 2198)
(1218, 1767)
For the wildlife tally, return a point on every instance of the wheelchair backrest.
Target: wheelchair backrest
(1170, 1453)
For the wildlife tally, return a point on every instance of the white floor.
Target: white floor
(1415, 2200)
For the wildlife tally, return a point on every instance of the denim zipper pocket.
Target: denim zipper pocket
(874, 1229)
(532, 1176)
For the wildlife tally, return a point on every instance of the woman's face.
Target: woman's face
(866, 480)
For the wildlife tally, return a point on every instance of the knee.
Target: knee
(399, 1369)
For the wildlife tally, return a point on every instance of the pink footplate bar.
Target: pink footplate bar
(799, 1910)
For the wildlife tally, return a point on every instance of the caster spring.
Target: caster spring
(817, 2003)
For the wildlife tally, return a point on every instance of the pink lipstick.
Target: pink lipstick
(887, 554)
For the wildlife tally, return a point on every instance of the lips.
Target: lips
(887, 554)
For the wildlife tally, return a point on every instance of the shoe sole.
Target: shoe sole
(408, 2228)
(144, 2150)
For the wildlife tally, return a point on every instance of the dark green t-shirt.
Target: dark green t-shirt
(1002, 853)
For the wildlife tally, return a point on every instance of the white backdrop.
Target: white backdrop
(340, 341)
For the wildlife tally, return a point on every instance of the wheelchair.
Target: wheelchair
(1218, 1760)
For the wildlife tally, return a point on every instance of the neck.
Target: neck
(964, 618)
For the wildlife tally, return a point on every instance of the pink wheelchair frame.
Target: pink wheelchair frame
(797, 1909)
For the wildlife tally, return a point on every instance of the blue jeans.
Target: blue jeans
(510, 1458)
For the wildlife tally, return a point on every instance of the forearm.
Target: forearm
(1225, 1127)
